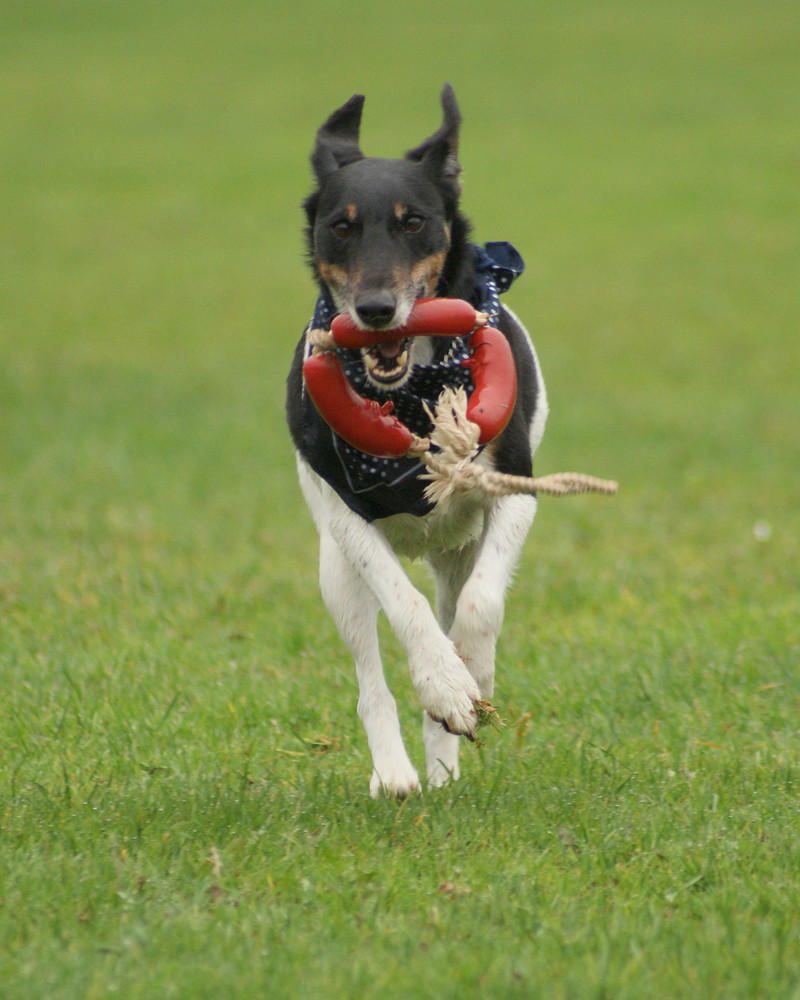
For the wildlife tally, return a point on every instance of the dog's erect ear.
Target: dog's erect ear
(440, 151)
(337, 140)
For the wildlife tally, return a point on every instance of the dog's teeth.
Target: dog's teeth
(385, 363)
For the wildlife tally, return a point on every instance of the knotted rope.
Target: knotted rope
(453, 470)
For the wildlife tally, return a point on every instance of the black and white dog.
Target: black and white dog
(383, 233)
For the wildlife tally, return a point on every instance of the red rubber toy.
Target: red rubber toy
(494, 376)
(429, 317)
(370, 426)
(361, 422)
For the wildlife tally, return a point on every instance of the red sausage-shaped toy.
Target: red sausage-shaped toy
(431, 317)
(494, 376)
(363, 423)
(370, 427)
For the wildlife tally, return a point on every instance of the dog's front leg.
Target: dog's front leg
(444, 685)
(355, 610)
(471, 583)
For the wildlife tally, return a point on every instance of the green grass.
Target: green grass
(184, 808)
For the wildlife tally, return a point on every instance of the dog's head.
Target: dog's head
(380, 230)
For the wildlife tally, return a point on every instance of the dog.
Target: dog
(381, 234)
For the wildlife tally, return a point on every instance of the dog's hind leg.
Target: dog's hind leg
(441, 752)
(355, 611)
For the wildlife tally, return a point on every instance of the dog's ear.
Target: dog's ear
(439, 152)
(337, 140)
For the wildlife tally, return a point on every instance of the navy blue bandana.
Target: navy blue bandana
(378, 487)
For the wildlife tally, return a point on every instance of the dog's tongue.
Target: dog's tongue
(390, 348)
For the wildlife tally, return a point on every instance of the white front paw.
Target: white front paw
(395, 782)
(448, 692)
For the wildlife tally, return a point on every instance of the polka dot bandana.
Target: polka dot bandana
(495, 267)
(423, 386)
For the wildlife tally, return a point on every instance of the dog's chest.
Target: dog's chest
(448, 526)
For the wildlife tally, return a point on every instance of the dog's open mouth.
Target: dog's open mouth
(387, 362)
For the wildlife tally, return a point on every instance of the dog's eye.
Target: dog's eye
(343, 229)
(413, 223)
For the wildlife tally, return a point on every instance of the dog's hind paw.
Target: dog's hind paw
(441, 753)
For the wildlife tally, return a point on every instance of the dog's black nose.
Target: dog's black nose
(376, 309)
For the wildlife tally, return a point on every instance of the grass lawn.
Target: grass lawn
(184, 808)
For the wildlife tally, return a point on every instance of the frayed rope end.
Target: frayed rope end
(453, 471)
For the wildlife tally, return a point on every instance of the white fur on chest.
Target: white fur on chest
(447, 527)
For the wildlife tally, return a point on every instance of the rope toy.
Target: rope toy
(461, 423)
(454, 470)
